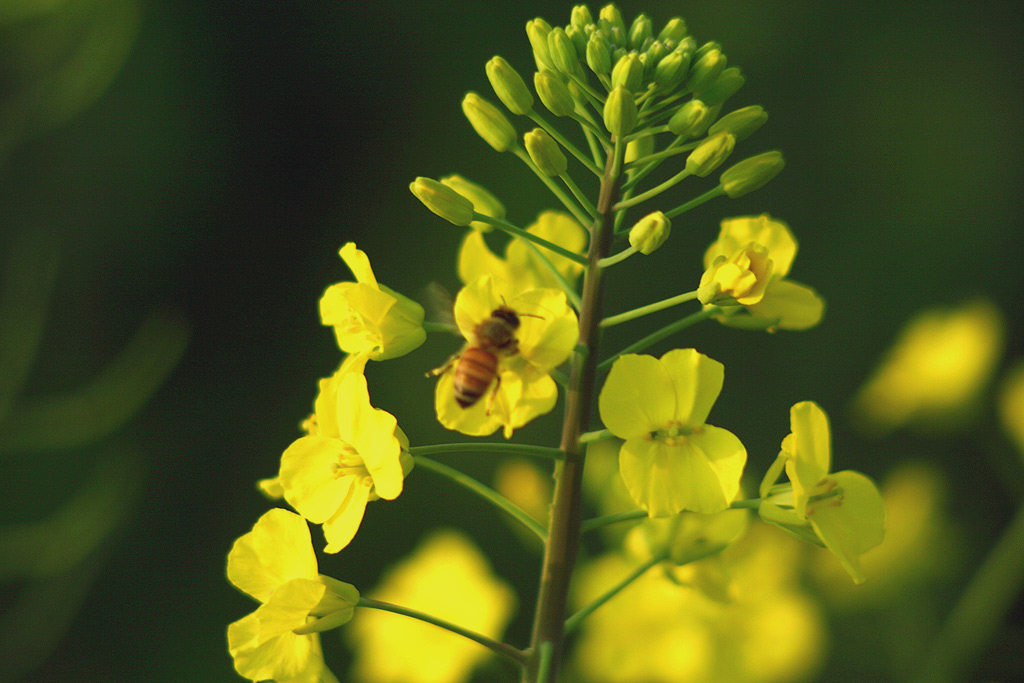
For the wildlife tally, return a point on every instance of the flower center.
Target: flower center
(350, 464)
(825, 492)
(674, 433)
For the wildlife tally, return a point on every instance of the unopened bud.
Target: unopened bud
(710, 154)
(599, 56)
(483, 201)
(652, 56)
(537, 30)
(562, 51)
(672, 68)
(628, 73)
(706, 69)
(741, 279)
(620, 112)
(641, 30)
(751, 174)
(579, 41)
(581, 17)
(613, 16)
(553, 93)
(650, 232)
(639, 148)
(675, 29)
(489, 122)
(706, 48)
(443, 200)
(688, 120)
(741, 123)
(545, 152)
(725, 86)
(509, 86)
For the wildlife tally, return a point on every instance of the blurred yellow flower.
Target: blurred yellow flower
(668, 629)
(368, 318)
(523, 483)
(275, 564)
(354, 454)
(522, 388)
(446, 577)
(933, 376)
(1011, 405)
(747, 266)
(671, 460)
(522, 267)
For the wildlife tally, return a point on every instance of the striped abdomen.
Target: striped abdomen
(473, 375)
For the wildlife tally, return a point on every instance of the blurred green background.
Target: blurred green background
(192, 168)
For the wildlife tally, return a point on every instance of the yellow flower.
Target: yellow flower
(747, 265)
(521, 266)
(936, 370)
(368, 318)
(671, 460)
(1011, 405)
(842, 511)
(275, 564)
(355, 453)
(446, 577)
(523, 388)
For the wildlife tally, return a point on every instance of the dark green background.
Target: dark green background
(243, 143)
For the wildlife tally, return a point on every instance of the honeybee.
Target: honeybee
(476, 366)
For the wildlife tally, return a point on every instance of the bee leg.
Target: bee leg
(444, 368)
(494, 394)
(513, 347)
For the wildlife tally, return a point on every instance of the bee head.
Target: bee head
(508, 315)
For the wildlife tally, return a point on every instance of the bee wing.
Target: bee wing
(440, 306)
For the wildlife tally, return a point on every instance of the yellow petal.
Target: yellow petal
(476, 301)
(696, 381)
(358, 262)
(855, 524)
(545, 341)
(341, 528)
(476, 420)
(308, 476)
(554, 226)
(794, 306)
(809, 447)
(774, 235)
(277, 550)
(637, 397)
(477, 260)
(371, 432)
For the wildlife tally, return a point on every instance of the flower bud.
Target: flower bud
(650, 232)
(725, 86)
(599, 56)
(562, 51)
(613, 16)
(509, 86)
(553, 93)
(688, 119)
(741, 123)
(741, 279)
(750, 174)
(620, 112)
(705, 48)
(640, 31)
(628, 73)
(652, 56)
(639, 148)
(579, 41)
(675, 29)
(443, 200)
(710, 154)
(581, 17)
(537, 30)
(672, 68)
(488, 121)
(545, 152)
(705, 70)
(483, 201)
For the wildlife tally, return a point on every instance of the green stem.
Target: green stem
(617, 258)
(664, 332)
(482, 447)
(662, 155)
(485, 492)
(595, 98)
(556, 190)
(599, 435)
(440, 327)
(523, 234)
(570, 292)
(646, 132)
(636, 176)
(585, 119)
(632, 515)
(578, 194)
(654, 191)
(564, 142)
(697, 201)
(560, 379)
(648, 309)
(572, 622)
(980, 610)
(592, 141)
(515, 655)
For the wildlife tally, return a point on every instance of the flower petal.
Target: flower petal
(637, 397)
(359, 263)
(793, 305)
(696, 380)
(309, 479)
(477, 260)
(341, 527)
(545, 341)
(476, 301)
(854, 526)
(736, 233)
(809, 447)
(277, 550)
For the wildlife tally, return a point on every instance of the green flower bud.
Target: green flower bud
(741, 123)
(639, 148)
(628, 73)
(579, 41)
(620, 112)
(581, 17)
(675, 29)
(650, 232)
(613, 16)
(751, 174)
(652, 57)
(537, 30)
(724, 87)
(618, 53)
(553, 93)
(509, 86)
(545, 152)
(443, 200)
(562, 51)
(641, 30)
(710, 154)
(706, 48)
(706, 70)
(672, 68)
(599, 56)
(688, 119)
(488, 121)
(483, 201)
